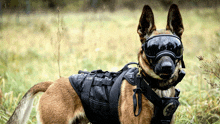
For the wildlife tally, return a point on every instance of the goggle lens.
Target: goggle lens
(156, 44)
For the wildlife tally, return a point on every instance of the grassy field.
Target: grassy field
(88, 41)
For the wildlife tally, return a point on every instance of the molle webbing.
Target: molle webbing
(99, 93)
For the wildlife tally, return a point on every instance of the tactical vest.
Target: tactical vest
(99, 93)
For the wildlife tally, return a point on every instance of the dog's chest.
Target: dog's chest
(99, 93)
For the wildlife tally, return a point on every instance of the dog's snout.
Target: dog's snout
(166, 66)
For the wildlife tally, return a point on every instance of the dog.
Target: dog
(60, 104)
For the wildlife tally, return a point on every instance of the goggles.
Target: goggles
(160, 45)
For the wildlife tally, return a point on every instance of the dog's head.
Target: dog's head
(161, 54)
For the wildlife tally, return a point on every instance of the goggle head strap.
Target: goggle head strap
(161, 35)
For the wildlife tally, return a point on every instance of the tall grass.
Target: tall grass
(28, 54)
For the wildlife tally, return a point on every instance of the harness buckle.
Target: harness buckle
(139, 71)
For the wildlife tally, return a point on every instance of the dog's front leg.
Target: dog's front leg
(126, 114)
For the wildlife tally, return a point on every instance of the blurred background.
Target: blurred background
(111, 5)
(43, 40)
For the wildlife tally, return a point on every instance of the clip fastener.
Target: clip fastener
(139, 71)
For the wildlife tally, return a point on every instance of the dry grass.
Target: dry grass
(28, 54)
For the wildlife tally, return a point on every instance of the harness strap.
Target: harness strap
(164, 108)
(87, 85)
(115, 92)
(142, 87)
(150, 94)
(137, 91)
(85, 94)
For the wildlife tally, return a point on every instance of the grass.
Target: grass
(89, 41)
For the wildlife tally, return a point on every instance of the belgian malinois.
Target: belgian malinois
(159, 57)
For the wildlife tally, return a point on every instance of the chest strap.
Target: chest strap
(164, 108)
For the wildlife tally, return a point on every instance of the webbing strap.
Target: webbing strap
(164, 108)
(142, 87)
(87, 86)
(115, 92)
(150, 94)
(139, 92)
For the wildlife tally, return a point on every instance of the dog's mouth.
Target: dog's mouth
(165, 76)
(165, 68)
(164, 80)
(167, 82)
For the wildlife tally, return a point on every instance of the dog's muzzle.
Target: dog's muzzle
(166, 64)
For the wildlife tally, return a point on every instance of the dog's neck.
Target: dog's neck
(165, 93)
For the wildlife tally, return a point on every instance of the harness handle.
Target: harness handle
(126, 66)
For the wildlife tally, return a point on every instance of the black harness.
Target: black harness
(164, 107)
(99, 92)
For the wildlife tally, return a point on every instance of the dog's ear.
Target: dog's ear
(174, 21)
(146, 23)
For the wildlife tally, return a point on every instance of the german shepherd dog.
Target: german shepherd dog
(60, 104)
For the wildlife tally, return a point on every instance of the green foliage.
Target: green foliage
(89, 41)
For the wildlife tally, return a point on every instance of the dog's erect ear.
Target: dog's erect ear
(174, 21)
(146, 23)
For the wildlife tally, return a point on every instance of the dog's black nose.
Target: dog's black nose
(166, 67)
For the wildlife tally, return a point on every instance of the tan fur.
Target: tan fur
(60, 104)
(125, 109)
